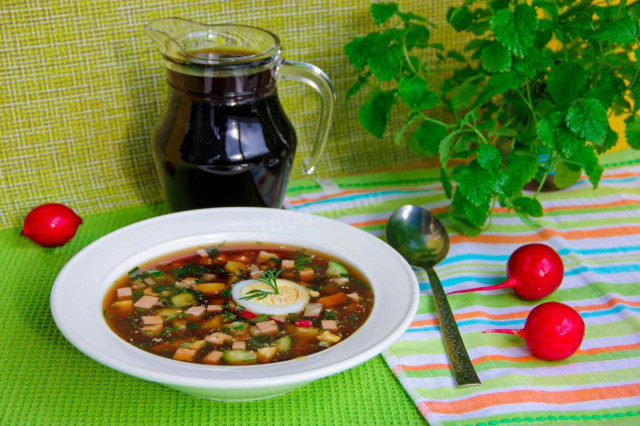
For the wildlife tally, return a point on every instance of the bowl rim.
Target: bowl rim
(112, 255)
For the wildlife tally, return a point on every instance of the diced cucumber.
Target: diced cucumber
(283, 344)
(240, 357)
(336, 269)
(183, 299)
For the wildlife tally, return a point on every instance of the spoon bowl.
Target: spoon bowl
(418, 236)
(424, 242)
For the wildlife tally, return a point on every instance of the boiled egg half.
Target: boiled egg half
(290, 299)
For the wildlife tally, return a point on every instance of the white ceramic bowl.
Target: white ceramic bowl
(79, 289)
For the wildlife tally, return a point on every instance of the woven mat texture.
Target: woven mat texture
(46, 381)
(82, 87)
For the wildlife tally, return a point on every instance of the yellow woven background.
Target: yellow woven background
(82, 87)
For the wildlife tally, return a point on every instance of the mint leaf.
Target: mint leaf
(522, 167)
(568, 142)
(357, 51)
(564, 176)
(445, 147)
(637, 54)
(374, 114)
(463, 96)
(446, 183)
(632, 132)
(355, 88)
(426, 139)
(589, 161)
(460, 18)
(498, 84)
(609, 142)
(488, 156)
(473, 183)
(528, 206)
(495, 58)
(410, 16)
(385, 59)
(416, 94)
(454, 54)
(547, 128)
(623, 30)
(382, 12)
(417, 36)
(535, 61)
(588, 119)
(515, 30)
(565, 82)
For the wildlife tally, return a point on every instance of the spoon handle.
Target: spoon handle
(461, 366)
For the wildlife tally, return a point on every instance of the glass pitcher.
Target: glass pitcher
(224, 139)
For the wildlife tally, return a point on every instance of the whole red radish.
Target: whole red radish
(533, 270)
(51, 224)
(552, 331)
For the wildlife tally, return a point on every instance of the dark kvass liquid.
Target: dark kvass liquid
(223, 141)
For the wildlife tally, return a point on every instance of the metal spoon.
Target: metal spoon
(423, 241)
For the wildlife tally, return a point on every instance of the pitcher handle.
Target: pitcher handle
(316, 78)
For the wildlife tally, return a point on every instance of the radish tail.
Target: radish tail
(505, 331)
(508, 283)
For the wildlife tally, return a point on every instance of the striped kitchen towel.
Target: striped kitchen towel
(597, 234)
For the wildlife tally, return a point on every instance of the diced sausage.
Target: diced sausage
(268, 327)
(146, 302)
(214, 308)
(124, 293)
(184, 354)
(152, 319)
(239, 345)
(329, 325)
(354, 296)
(196, 311)
(218, 338)
(213, 358)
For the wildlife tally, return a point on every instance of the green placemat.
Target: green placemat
(45, 380)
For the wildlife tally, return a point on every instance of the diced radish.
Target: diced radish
(196, 311)
(313, 310)
(280, 319)
(239, 346)
(124, 293)
(303, 323)
(213, 358)
(329, 325)
(288, 264)
(146, 302)
(214, 308)
(184, 354)
(218, 338)
(247, 314)
(152, 319)
(354, 296)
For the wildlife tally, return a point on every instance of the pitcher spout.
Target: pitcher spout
(169, 35)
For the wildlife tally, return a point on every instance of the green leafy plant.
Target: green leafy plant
(527, 98)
